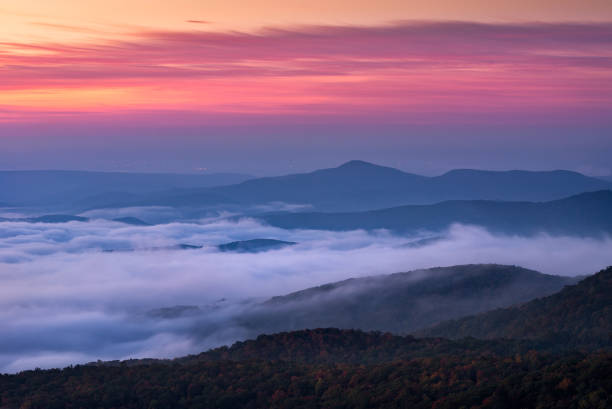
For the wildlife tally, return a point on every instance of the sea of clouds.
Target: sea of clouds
(78, 292)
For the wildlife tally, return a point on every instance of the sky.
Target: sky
(270, 87)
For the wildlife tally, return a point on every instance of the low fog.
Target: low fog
(77, 292)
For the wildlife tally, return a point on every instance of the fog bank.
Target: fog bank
(66, 298)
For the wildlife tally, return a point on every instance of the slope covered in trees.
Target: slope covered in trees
(578, 316)
(466, 375)
(402, 302)
(331, 368)
(332, 345)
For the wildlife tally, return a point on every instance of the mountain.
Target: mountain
(254, 245)
(134, 221)
(586, 214)
(330, 345)
(48, 218)
(54, 218)
(65, 218)
(580, 316)
(402, 302)
(355, 184)
(180, 246)
(334, 368)
(55, 187)
(361, 185)
(327, 368)
(358, 185)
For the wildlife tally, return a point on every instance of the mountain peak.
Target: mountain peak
(368, 167)
(358, 164)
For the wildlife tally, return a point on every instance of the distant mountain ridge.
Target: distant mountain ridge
(59, 187)
(47, 218)
(66, 218)
(358, 185)
(585, 214)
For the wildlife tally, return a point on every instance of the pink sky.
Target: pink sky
(72, 68)
(419, 72)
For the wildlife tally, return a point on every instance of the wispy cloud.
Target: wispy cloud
(423, 69)
(199, 21)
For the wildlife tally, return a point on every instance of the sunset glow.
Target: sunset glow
(414, 69)
(208, 64)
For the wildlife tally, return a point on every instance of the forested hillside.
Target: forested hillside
(402, 302)
(525, 380)
(564, 362)
(578, 316)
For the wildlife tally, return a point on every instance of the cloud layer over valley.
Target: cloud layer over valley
(70, 295)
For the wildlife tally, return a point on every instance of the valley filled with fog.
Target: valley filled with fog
(80, 291)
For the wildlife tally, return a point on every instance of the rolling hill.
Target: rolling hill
(402, 302)
(59, 188)
(345, 368)
(578, 316)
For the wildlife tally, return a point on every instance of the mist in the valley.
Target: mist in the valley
(77, 292)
